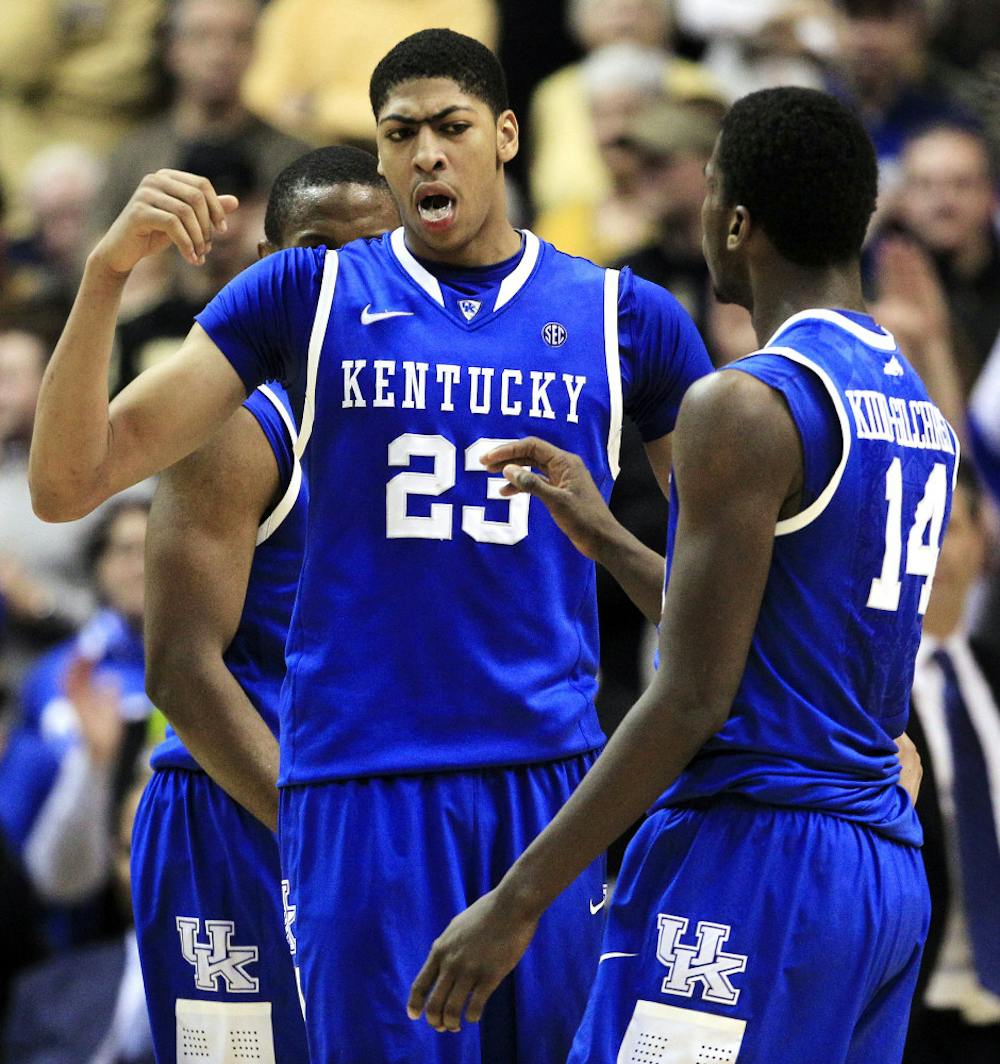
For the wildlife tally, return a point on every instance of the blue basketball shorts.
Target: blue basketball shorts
(206, 890)
(751, 934)
(377, 869)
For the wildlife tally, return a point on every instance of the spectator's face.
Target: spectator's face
(441, 151)
(337, 214)
(948, 197)
(211, 48)
(61, 207)
(22, 363)
(612, 113)
(672, 186)
(880, 55)
(121, 568)
(602, 22)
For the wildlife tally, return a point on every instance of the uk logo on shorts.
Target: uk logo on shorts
(289, 910)
(217, 958)
(703, 963)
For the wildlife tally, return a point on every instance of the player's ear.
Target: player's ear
(507, 136)
(739, 228)
(265, 248)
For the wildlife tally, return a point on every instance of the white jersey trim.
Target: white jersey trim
(881, 341)
(819, 504)
(323, 307)
(516, 279)
(612, 358)
(287, 501)
(423, 277)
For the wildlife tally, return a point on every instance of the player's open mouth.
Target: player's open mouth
(436, 209)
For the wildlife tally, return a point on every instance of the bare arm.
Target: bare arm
(86, 449)
(569, 493)
(199, 547)
(738, 459)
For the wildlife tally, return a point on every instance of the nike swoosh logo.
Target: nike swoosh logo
(609, 956)
(368, 318)
(596, 908)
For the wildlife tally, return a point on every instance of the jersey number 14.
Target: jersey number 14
(923, 544)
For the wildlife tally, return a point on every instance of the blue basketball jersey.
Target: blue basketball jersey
(827, 682)
(439, 625)
(256, 656)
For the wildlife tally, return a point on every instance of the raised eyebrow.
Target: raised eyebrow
(406, 120)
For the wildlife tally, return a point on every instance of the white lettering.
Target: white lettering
(383, 371)
(352, 394)
(574, 385)
(415, 385)
(506, 406)
(448, 376)
(540, 405)
(477, 405)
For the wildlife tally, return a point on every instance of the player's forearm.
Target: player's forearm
(70, 445)
(637, 570)
(223, 732)
(650, 749)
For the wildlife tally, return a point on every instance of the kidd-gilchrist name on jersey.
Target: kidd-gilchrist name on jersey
(827, 682)
(439, 625)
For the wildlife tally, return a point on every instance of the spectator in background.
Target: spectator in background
(947, 201)
(60, 185)
(209, 48)
(314, 59)
(79, 71)
(86, 703)
(956, 726)
(882, 69)
(176, 291)
(566, 158)
(42, 584)
(618, 81)
(763, 44)
(88, 1006)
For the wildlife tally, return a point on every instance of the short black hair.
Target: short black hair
(224, 162)
(322, 168)
(804, 167)
(441, 54)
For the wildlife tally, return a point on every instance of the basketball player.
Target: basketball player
(773, 906)
(420, 752)
(224, 549)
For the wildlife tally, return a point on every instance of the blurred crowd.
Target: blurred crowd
(620, 102)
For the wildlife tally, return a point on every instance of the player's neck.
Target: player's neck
(781, 289)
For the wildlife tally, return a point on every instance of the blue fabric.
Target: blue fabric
(979, 854)
(28, 768)
(382, 682)
(256, 656)
(826, 686)
(378, 867)
(807, 927)
(197, 854)
(116, 649)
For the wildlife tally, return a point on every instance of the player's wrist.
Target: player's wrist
(102, 268)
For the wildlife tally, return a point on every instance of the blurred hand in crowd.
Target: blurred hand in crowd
(97, 701)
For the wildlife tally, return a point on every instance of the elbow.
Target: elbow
(55, 501)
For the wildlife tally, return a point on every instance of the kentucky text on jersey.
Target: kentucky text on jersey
(472, 388)
(909, 422)
(439, 624)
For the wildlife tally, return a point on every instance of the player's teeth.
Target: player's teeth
(434, 214)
